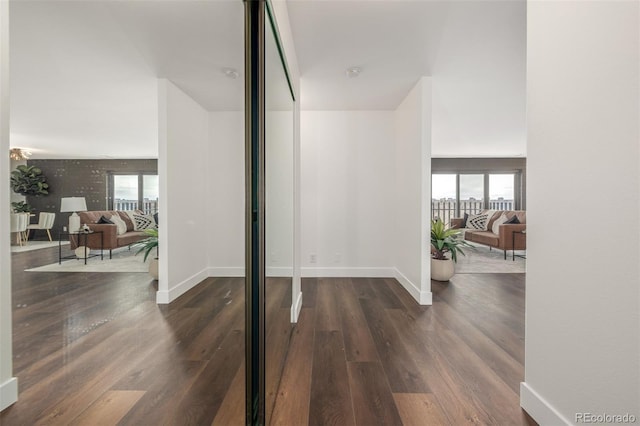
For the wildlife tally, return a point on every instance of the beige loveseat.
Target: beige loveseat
(111, 238)
(504, 238)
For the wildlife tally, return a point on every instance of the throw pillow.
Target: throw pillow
(513, 220)
(490, 214)
(104, 220)
(477, 221)
(142, 221)
(495, 228)
(464, 220)
(121, 226)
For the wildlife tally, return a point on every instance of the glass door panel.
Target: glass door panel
(443, 197)
(150, 194)
(125, 192)
(279, 216)
(502, 191)
(471, 193)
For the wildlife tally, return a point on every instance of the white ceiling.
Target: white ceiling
(474, 51)
(83, 74)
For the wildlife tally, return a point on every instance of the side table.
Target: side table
(82, 241)
(513, 244)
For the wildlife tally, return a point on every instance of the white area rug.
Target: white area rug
(480, 260)
(36, 245)
(123, 261)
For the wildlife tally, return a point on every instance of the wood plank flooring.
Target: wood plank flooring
(365, 353)
(95, 349)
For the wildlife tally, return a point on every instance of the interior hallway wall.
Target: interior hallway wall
(583, 291)
(225, 202)
(347, 181)
(412, 192)
(183, 173)
(8, 383)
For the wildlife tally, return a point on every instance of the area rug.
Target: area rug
(480, 260)
(36, 245)
(122, 261)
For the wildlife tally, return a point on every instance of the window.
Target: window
(133, 192)
(454, 194)
(501, 191)
(443, 197)
(471, 194)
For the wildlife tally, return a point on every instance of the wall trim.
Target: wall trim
(422, 297)
(164, 297)
(539, 408)
(279, 271)
(296, 308)
(226, 271)
(8, 393)
(347, 272)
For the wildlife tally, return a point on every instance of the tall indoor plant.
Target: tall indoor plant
(147, 245)
(446, 244)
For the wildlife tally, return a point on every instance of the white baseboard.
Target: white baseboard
(296, 308)
(279, 271)
(422, 297)
(346, 272)
(8, 393)
(226, 271)
(163, 296)
(538, 408)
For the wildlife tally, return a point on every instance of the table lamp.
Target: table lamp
(73, 204)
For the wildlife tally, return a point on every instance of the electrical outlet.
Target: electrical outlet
(313, 258)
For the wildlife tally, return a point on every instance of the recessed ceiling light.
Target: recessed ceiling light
(353, 72)
(232, 73)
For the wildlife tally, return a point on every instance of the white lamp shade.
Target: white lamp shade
(73, 204)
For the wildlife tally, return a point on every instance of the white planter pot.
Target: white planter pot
(442, 270)
(153, 268)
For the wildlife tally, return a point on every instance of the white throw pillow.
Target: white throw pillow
(141, 221)
(490, 214)
(120, 224)
(477, 221)
(495, 228)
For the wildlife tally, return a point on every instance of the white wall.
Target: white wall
(347, 181)
(412, 192)
(226, 194)
(582, 307)
(8, 384)
(182, 169)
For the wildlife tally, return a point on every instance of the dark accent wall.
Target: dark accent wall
(80, 178)
(484, 165)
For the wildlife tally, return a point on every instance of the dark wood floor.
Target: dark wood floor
(365, 353)
(95, 349)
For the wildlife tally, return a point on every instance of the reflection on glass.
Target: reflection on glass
(279, 218)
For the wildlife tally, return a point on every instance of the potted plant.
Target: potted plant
(29, 180)
(21, 207)
(445, 241)
(146, 246)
